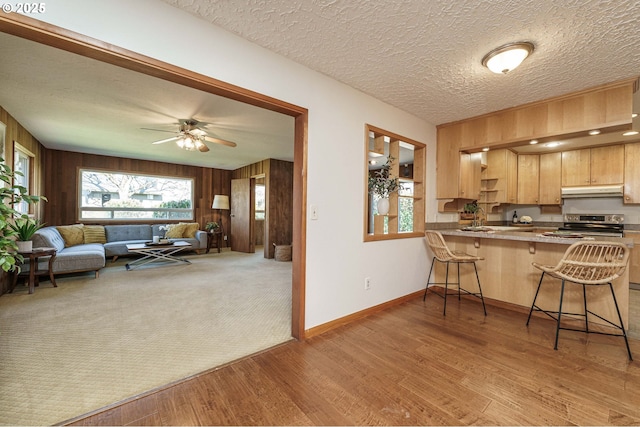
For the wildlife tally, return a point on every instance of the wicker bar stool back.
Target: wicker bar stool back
(442, 254)
(586, 263)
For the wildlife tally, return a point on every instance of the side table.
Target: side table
(34, 273)
(211, 235)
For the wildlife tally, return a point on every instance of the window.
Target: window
(402, 160)
(108, 195)
(260, 201)
(22, 161)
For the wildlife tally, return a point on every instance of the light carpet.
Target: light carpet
(91, 342)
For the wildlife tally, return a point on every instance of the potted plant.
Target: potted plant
(25, 228)
(212, 226)
(382, 184)
(10, 195)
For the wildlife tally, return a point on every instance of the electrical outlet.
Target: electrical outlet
(367, 283)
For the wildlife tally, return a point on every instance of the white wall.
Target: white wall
(337, 258)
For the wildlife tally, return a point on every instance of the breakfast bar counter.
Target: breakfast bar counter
(507, 274)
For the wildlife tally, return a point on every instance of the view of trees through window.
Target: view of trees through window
(113, 195)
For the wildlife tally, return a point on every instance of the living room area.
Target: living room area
(98, 340)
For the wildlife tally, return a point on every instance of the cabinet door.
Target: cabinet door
(550, 179)
(606, 165)
(631, 175)
(528, 174)
(470, 179)
(512, 176)
(448, 162)
(576, 168)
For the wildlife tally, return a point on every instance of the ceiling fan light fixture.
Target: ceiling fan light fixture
(507, 57)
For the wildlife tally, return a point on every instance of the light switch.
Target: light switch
(314, 212)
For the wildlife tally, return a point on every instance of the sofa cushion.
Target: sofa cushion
(190, 229)
(175, 231)
(94, 234)
(71, 234)
(119, 233)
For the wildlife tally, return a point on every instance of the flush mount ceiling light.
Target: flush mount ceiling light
(507, 57)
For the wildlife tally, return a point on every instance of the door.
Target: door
(242, 215)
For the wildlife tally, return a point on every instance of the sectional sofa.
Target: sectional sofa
(86, 248)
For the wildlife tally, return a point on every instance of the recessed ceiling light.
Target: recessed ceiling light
(372, 162)
(533, 142)
(634, 115)
(594, 132)
(631, 133)
(552, 144)
(507, 57)
(485, 149)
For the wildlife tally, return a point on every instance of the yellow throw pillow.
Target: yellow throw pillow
(175, 231)
(190, 229)
(71, 234)
(94, 234)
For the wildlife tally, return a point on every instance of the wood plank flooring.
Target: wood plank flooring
(409, 365)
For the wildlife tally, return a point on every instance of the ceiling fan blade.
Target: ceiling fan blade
(201, 146)
(159, 130)
(220, 141)
(173, 138)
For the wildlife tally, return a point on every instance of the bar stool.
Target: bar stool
(586, 263)
(443, 254)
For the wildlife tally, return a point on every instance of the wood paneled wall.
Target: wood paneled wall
(15, 132)
(278, 224)
(62, 183)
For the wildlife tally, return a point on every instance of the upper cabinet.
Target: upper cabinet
(631, 175)
(528, 179)
(604, 107)
(593, 166)
(550, 179)
(607, 108)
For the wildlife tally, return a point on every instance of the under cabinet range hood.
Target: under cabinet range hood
(592, 191)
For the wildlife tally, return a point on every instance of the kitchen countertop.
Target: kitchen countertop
(533, 236)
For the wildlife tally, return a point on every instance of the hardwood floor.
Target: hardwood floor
(409, 365)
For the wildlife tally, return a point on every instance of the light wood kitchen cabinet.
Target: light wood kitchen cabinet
(470, 171)
(499, 179)
(597, 108)
(550, 179)
(593, 166)
(631, 175)
(448, 163)
(528, 179)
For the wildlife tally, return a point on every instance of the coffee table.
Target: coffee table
(157, 253)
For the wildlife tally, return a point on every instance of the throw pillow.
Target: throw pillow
(190, 229)
(71, 234)
(94, 234)
(175, 231)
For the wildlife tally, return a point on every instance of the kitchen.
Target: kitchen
(531, 161)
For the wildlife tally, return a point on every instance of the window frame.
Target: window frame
(18, 150)
(81, 208)
(419, 188)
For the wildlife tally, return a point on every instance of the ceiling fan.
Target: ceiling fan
(192, 137)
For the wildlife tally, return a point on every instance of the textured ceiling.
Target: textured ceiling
(424, 56)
